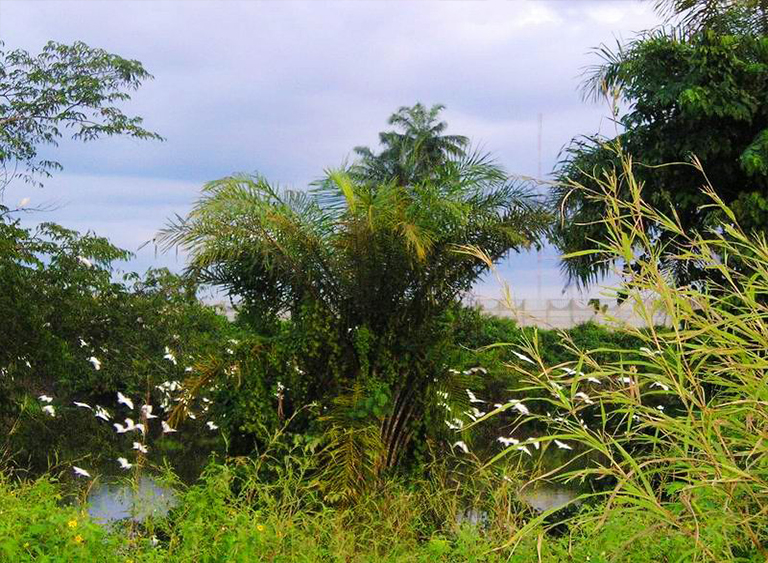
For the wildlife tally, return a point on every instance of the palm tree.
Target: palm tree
(381, 260)
(414, 150)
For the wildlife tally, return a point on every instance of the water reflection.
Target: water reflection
(110, 502)
(547, 497)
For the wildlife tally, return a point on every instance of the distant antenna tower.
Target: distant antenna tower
(540, 180)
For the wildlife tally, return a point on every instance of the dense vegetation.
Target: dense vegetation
(355, 409)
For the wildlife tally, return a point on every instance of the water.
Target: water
(109, 502)
(547, 497)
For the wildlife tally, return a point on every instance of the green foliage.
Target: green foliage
(676, 431)
(690, 94)
(364, 268)
(414, 153)
(65, 86)
(62, 308)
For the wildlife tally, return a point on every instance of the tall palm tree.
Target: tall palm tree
(379, 259)
(414, 150)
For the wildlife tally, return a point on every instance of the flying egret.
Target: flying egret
(211, 425)
(507, 441)
(141, 447)
(46, 398)
(520, 407)
(82, 405)
(562, 445)
(140, 427)
(626, 380)
(523, 357)
(24, 202)
(536, 445)
(50, 410)
(660, 384)
(584, 397)
(102, 413)
(169, 355)
(124, 463)
(167, 427)
(472, 398)
(80, 471)
(594, 380)
(85, 262)
(96, 363)
(660, 408)
(83, 343)
(524, 449)
(462, 445)
(119, 428)
(477, 413)
(124, 400)
(146, 410)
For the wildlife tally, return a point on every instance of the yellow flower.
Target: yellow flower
(260, 527)
(72, 523)
(26, 544)
(78, 538)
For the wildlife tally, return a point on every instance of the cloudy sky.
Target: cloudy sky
(288, 88)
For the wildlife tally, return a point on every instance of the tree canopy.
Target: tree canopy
(71, 87)
(379, 260)
(690, 92)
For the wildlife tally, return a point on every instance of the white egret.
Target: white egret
(520, 407)
(50, 410)
(507, 441)
(462, 445)
(626, 380)
(24, 202)
(167, 428)
(141, 447)
(169, 355)
(124, 463)
(46, 398)
(660, 408)
(124, 400)
(83, 343)
(562, 445)
(523, 357)
(85, 262)
(472, 398)
(584, 397)
(524, 449)
(536, 445)
(660, 384)
(211, 425)
(119, 428)
(146, 410)
(594, 380)
(80, 471)
(102, 413)
(96, 363)
(82, 405)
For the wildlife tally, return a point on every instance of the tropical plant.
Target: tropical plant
(374, 263)
(64, 87)
(676, 432)
(413, 153)
(689, 91)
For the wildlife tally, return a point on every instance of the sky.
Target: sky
(287, 89)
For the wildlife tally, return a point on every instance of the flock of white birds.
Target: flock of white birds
(146, 412)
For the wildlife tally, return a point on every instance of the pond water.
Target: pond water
(543, 497)
(109, 502)
(547, 496)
